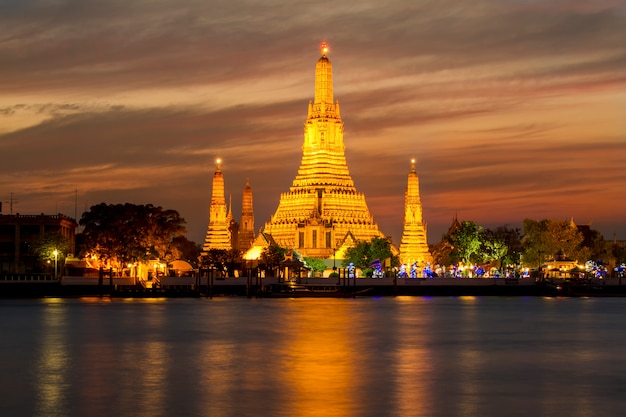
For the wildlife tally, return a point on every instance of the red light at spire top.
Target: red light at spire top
(324, 47)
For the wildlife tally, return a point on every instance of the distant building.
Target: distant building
(19, 232)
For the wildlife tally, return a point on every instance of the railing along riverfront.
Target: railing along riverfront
(27, 278)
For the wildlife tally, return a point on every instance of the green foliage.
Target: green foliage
(542, 240)
(213, 259)
(364, 253)
(188, 250)
(225, 261)
(122, 233)
(619, 253)
(316, 264)
(493, 250)
(552, 239)
(44, 248)
(501, 244)
(466, 243)
(234, 260)
(599, 249)
(271, 257)
(513, 240)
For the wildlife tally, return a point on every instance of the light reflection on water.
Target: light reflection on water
(232, 357)
(51, 363)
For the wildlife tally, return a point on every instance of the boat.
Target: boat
(292, 289)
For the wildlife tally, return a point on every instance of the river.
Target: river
(370, 356)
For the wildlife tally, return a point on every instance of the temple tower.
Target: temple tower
(322, 208)
(246, 224)
(414, 245)
(233, 226)
(218, 234)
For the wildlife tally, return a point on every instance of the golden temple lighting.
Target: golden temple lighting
(414, 245)
(324, 48)
(218, 235)
(322, 211)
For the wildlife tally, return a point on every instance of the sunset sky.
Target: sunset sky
(513, 109)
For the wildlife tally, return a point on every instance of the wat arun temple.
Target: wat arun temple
(322, 214)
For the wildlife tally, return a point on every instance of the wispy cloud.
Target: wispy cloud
(513, 109)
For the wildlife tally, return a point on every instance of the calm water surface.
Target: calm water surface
(235, 357)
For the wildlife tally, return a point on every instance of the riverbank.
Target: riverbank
(25, 287)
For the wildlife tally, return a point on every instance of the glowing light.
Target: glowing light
(413, 160)
(253, 253)
(56, 256)
(324, 47)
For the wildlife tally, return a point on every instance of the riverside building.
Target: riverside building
(18, 233)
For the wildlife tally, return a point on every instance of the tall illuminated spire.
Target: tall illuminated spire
(323, 78)
(323, 151)
(322, 208)
(218, 235)
(414, 245)
(246, 224)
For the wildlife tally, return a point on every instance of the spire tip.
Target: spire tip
(324, 48)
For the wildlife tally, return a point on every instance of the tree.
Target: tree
(466, 242)
(271, 257)
(316, 264)
(222, 260)
(213, 259)
(619, 253)
(513, 240)
(124, 233)
(501, 244)
(599, 249)
(44, 248)
(187, 249)
(365, 252)
(233, 261)
(493, 249)
(552, 239)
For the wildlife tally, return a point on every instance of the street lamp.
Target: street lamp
(56, 256)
